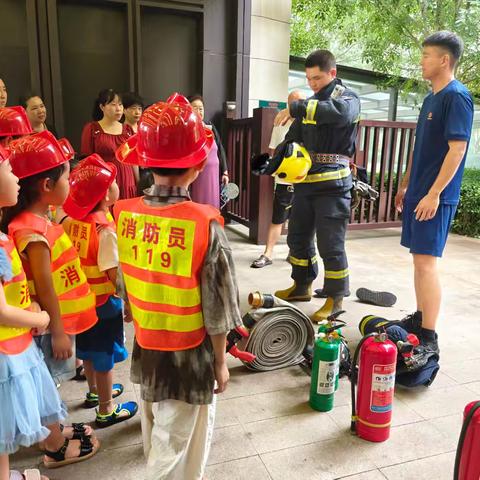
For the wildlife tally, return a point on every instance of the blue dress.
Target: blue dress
(29, 399)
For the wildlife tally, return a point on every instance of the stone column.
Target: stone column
(269, 51)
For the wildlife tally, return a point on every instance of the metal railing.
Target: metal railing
(383, 148)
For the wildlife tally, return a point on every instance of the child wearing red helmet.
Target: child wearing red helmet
(29, 414)
(14, 123)
(52, 267)
(178, 272)
(93, 190)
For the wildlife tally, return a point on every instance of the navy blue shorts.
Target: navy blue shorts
(428, 237)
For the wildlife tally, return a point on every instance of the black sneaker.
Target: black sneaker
(381, 299)
(412, 323)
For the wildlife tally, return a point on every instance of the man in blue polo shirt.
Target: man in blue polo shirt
(430, 190)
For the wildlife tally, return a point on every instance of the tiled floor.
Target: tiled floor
(265, 429)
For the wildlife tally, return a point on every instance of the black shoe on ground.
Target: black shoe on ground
(382, 299)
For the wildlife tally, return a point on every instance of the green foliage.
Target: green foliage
(386, 35)
(467, 219)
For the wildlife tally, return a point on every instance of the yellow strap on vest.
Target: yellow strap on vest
(166, 321)
(163, 294)
(79, 305)
(310, 113)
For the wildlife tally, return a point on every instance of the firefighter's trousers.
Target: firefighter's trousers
(327, 217)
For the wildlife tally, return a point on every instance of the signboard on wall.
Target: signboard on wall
(272, 104)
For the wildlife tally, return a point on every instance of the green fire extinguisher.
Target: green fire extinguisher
(325, 369)
(333, 324)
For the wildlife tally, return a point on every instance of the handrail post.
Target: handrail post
(261, 186)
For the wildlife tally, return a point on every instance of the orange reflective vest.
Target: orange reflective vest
(15, 340)
(76, 300)
(161, 252)
(84, 236)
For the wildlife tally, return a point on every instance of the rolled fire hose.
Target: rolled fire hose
(279, 333)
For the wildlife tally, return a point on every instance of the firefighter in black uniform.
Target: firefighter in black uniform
(326, 125)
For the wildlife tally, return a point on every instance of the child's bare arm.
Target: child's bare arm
(17, 317)
(222, 374)
(38, 255)
(112, 275)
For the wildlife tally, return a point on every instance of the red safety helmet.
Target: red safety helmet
(170, 135)
(89, 183)
(14, 121)
(37, 153)
(4, 154)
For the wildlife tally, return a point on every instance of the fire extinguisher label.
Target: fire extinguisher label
(327, 371)
(383, 386)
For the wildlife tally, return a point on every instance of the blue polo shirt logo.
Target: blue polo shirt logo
(430, 116)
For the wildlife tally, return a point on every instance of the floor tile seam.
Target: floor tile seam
(259, 393)
(433, 418)
(335, 436)
(346, 477)
(270, 476)
(111, 449)
(414, 459)
(297, 446)
(232, 460)
(283, 416)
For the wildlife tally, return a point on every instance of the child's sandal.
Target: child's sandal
(87, 450)
(121, 412)
(29, 474)
(91, 399)
(80, 430)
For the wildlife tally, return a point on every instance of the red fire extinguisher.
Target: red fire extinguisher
(372, 406)
(467, 460)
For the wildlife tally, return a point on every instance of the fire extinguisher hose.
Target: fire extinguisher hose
(278, 339)
(461, 440)
(354, 378)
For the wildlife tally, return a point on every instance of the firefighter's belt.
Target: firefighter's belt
(278, 337)
(330, 158)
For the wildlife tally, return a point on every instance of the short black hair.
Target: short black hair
(29, 193)
(131, 98)
(168, 172)
(104, 97)
(23, 100)
(323, 59)
(448, 41)
(194, 97)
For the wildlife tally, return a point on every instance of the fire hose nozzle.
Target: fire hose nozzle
(257, 300)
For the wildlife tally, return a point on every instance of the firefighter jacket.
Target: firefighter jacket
(326, 123)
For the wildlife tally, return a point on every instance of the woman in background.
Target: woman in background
(37, 113)
(133, 107)
(105, 134)
(206, 188)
